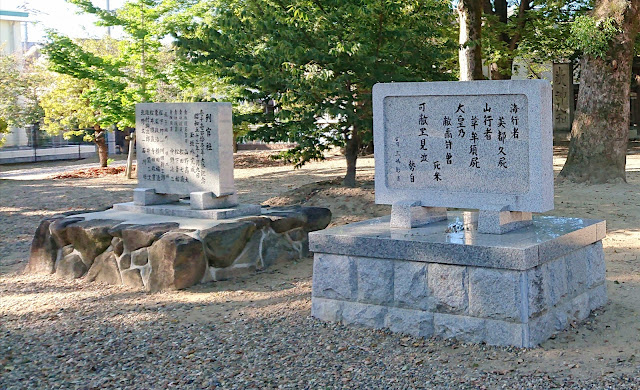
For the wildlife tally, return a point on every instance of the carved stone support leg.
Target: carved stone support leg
(148, 196)
(407, 215)
(207, 200)
(500, 222)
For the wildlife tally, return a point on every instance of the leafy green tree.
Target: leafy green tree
(10, 90)
(316, 62)
(121, 72)
(535, 31)
(544, 37)
(109, 99)
(21, 84)
(68, 110)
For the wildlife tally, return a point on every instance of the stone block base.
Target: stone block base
(178, 209)
(207, 200)
(153, 252)
(427, 284)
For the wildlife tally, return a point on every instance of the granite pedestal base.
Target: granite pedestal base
(514, 289)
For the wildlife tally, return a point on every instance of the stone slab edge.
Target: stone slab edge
(523, 258)
(240, 210)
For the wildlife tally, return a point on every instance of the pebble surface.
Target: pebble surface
(249, 335)
(257, 333)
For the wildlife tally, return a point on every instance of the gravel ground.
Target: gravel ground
(58, 335)
(256, 332)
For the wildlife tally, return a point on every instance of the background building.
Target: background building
(12, 24)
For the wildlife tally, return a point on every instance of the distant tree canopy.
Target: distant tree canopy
(496, 32)
(123, 72)
(66, 109)
(10, 90)
(303, 71)
(603, 33)
(113, 75)
(20, 86)
(317, 62)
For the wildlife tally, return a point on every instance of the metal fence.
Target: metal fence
(40, 146)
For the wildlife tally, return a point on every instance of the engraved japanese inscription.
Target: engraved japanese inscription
(562, 96)
(181, 147)
(458, 143)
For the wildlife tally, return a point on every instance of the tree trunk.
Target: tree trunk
(470, 53)
(101, 142)
(131, 139)
(501, 70)
(600, 131)
(351, 154)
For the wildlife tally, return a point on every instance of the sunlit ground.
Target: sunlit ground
(221, 329)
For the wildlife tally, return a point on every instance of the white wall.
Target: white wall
(10, 36)
(11, 43)
(17, 137)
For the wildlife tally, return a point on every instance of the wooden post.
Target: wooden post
(132, 138)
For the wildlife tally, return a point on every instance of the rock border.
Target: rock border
(162, 256)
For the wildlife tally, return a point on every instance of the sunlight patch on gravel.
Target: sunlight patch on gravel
(10, 210)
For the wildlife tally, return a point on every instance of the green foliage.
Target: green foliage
(111, 96)
(66, 107)
(545, 37)
(317, 61)
(593, 37)
(4, 128)
(21, 83)
(121, 72)
(535, 32)
(10, 88)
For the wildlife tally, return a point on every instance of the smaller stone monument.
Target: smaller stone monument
(185, 150)
(562, 100)
(163, 241)
(496, 275)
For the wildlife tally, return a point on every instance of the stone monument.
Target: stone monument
(185, 225)
(185, 150)
(562, 99)
(497, 275)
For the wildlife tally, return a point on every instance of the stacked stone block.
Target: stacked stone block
(472, 302)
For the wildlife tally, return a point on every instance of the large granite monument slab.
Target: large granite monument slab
(496, 275)
(185, 147)
(465, 145)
